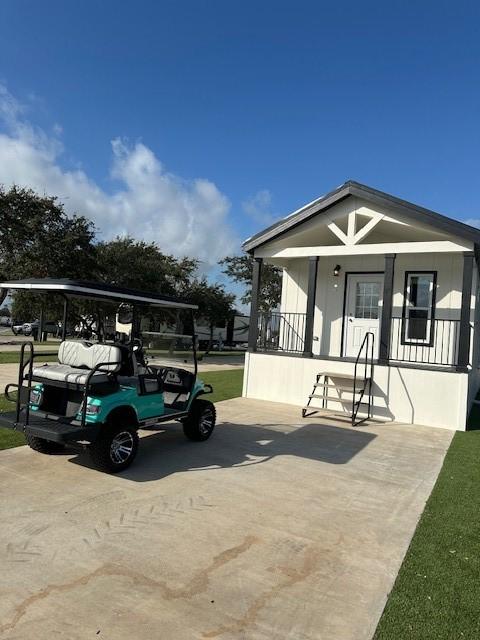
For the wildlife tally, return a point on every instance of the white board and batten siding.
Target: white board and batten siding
(328, 321)
(405, 395)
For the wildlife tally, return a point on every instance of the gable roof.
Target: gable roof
(374, 196)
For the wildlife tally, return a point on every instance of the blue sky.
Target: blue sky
(247, 110)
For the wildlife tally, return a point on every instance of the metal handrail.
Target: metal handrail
(367, 342)
(21, 377)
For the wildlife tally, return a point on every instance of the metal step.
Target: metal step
(341, 400)
(342, 376)
(320, 409)
(336, 386)
(322, 397)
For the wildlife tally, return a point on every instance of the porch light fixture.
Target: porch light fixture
(336, 270)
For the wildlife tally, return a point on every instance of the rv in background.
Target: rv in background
(233, 333)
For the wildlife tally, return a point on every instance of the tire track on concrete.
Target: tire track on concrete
(197, 584)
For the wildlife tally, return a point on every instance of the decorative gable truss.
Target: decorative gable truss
(353, 237)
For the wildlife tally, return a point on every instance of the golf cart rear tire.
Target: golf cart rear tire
(200, 423)
(44, 446)
(102, 451)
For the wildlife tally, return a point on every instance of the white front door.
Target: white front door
(363, 308)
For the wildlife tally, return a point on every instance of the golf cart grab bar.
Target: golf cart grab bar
(21, 378)
(97, 367)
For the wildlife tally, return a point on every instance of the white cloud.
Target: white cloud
(185, 217)
(258, 207)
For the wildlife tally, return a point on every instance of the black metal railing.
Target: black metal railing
(421, 341)
(415, 341)
(365, 386)
(281, 332)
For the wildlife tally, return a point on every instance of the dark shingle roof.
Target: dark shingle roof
(351, 188)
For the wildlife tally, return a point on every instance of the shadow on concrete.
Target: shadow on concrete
(236, 445)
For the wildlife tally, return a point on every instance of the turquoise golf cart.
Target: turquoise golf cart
(100, 393)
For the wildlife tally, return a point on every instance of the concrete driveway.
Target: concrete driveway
(276, 528)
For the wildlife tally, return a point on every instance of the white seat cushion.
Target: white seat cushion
(88, 356)
(77, 359)
(66, 373)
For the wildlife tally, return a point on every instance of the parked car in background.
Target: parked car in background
(17, 328)
(31, 328)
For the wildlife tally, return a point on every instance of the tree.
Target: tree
(215, 305)
(39, 240)
(239, 269)
(141, 265)
(5, 312)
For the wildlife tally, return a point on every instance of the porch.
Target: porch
(359, 262)
(418, 306)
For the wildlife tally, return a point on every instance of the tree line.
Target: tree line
(39, 240)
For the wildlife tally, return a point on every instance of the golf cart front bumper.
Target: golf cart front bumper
(49, 427)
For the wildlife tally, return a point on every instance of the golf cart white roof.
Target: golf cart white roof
(97, 291)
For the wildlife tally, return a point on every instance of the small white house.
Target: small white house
(379, 312)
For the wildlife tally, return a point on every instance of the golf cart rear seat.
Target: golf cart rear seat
(77, 359)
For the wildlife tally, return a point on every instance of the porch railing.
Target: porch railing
(285, 333)
(281, 332)
(439, 346)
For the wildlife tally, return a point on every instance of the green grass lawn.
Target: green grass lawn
(437, 592)
(9, 438)
(8, 357)
(226, 384)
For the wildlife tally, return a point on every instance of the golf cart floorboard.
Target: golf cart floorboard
(48, 428)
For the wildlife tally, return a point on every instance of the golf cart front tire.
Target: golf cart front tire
(44, 446)
(200, 423)
(115, 448)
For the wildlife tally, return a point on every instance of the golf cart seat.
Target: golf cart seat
(77, 359)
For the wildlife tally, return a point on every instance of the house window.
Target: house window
(419, 307)
(367, 296)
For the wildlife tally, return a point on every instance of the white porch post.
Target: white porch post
(311, 292)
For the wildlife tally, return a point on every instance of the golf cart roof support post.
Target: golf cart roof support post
(39, 337)
(100, 327)
(64, 319)
(135, 333)
(194, 345)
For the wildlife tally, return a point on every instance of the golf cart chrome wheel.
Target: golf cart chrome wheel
(200, 422)
(122, 447)
(115, 448)
(206, 422)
